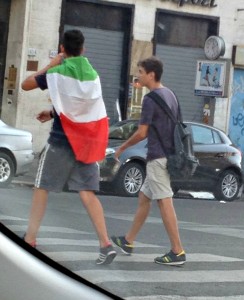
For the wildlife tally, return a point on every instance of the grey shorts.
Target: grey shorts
(58, 167)
(157, 182)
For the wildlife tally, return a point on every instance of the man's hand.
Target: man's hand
(30, 82)
(44, 116)
(57, 60)
(118, 153)
(138, 136)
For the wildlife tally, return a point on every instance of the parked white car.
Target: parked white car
(16, 153)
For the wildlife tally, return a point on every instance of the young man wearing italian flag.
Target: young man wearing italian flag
(78, 138)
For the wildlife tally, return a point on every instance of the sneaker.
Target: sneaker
(121, 242)
(106, 255)
(171, 259)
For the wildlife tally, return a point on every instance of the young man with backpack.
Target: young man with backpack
(157, 182)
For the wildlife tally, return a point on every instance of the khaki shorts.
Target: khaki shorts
(157, 182)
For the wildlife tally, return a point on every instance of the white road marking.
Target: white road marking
(82, 242)
(17, 228)
(192, 226)
(214, 229)
(87, 256)
(66, 242)
(3, 217)
(181, 276)
(176, 297)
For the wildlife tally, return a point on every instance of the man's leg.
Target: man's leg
(95, 212)
(143, 209)
(171, 224)
(38, 208)
(126, 242)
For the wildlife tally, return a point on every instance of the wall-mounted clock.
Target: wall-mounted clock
(214, 47)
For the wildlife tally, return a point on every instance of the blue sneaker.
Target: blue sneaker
(121, 242)
(171, 259)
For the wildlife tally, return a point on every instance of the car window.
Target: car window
(122, 130)
(217, 138)
(202, 135)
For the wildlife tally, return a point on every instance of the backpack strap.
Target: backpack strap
(162, 103)
(164, 106)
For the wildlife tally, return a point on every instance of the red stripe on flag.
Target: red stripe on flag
(88, 140)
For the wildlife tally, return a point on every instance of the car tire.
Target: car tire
(7, 170)
(228, 186)
(130, 179)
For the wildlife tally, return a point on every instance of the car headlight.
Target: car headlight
(109, 151)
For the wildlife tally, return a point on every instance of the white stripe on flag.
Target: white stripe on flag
(79, 101)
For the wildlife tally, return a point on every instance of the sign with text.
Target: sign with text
(205, 3)
(210, 78)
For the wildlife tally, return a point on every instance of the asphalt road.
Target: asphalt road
(212, 234)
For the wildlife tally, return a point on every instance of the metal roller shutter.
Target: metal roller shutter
(179, 75)
(104, 48)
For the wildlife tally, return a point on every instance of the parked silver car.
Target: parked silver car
(16, 153)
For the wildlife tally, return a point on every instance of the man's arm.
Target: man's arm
(138, 136)
(30, 82)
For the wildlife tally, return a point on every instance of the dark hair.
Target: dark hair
(73, 41)
(152, 64)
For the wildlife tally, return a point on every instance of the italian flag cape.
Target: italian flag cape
(76, 95)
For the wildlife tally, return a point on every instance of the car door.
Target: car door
(210, 150)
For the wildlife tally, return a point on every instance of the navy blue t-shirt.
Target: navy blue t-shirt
(153, 114)
(57, 135)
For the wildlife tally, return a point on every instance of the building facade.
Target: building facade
(118, 34)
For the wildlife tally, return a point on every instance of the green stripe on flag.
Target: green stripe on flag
(77, 67)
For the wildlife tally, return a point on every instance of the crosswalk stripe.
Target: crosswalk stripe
(17, 228)
(209, 276)
(191, 226)
(212, 229)
(176, 297)
(4, 217)
(66, 242)
(233, 232)
(86, 256)
(81, 242)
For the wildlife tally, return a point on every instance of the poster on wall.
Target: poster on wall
(236, 121)
(210, 78)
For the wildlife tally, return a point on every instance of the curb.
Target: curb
(23, 183)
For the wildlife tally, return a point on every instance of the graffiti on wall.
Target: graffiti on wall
(236, 123)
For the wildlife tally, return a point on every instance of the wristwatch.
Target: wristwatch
(214, 47)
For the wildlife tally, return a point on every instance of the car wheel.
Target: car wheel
(130, 179)
(7, 170)
(228, 186)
